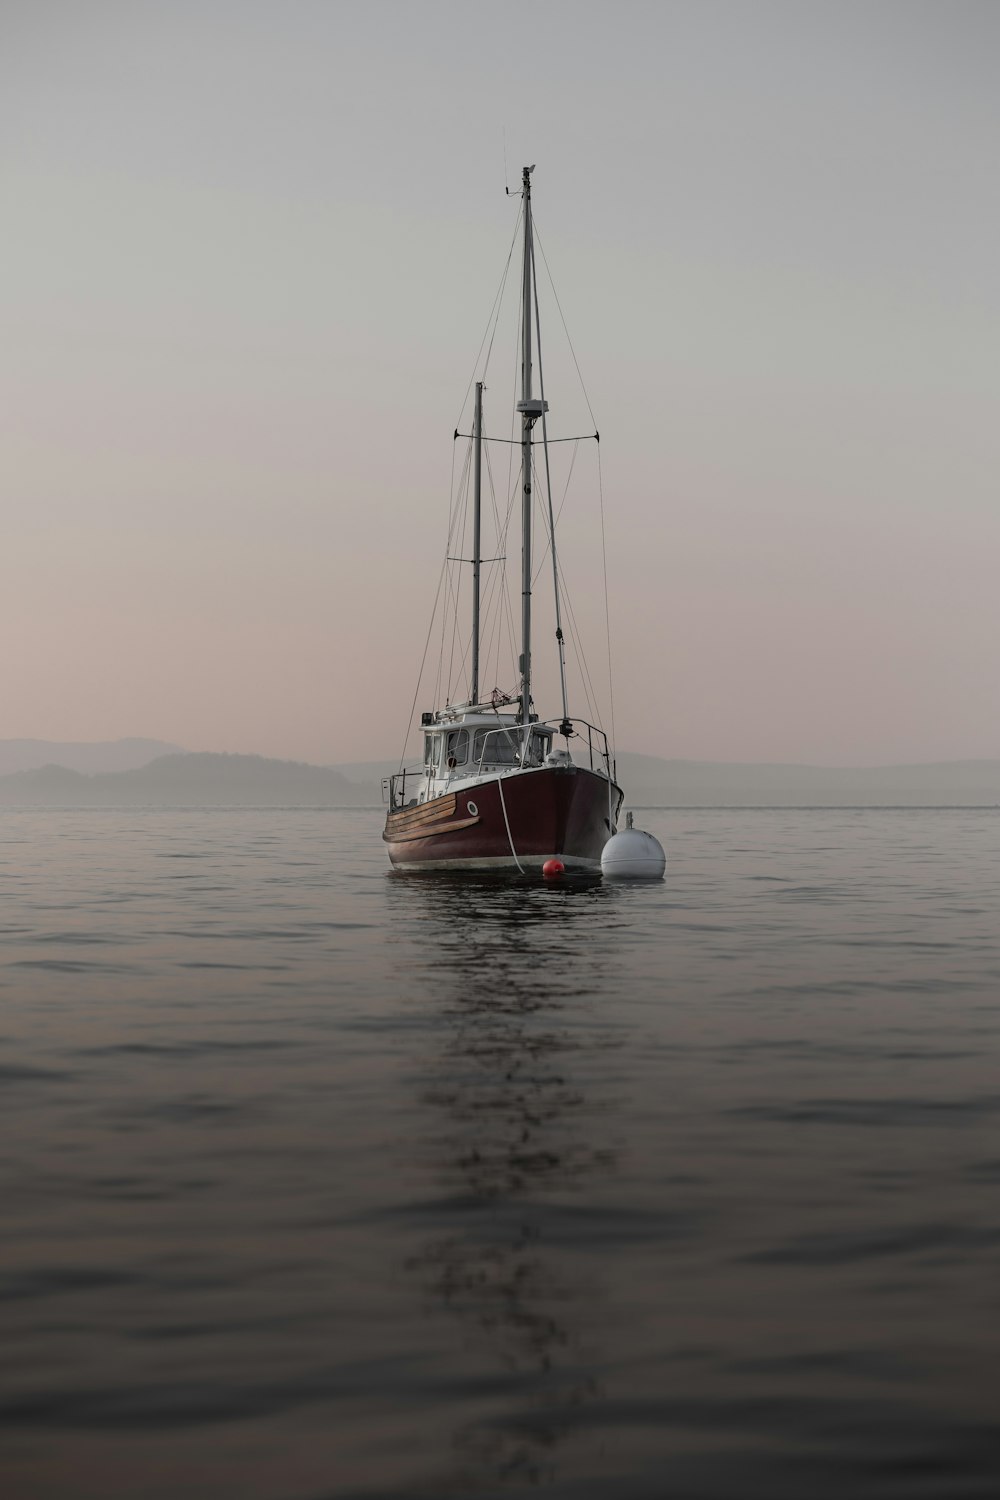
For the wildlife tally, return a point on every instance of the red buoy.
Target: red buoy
(552, 868)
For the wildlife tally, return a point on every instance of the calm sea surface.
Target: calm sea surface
(320, 1182)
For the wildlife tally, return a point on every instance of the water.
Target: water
(318, 1182)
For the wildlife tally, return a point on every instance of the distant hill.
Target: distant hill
(688, 783)
(90, 757)
(650, 780)
(369, 773)
(205, 780)
(186, 780)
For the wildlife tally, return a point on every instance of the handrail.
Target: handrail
(510, 731)
(389, 793)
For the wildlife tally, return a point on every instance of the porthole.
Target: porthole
(472, 809)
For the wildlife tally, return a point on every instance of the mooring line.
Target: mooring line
(510, 841)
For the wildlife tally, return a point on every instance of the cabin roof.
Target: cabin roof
(463, 719)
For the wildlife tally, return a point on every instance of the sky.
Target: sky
(248, 253)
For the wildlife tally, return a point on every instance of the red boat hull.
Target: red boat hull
(517, 821)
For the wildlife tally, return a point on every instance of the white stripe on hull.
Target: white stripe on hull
(532, 862)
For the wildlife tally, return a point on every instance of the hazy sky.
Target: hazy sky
(248, 251)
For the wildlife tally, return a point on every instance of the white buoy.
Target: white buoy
(633, 855)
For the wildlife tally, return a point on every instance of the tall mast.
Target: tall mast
(476, 537)
(565, 725)
(530, 409)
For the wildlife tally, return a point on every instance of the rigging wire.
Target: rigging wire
(559, 512)
(577, 653)
(456, 595)
(600, 475)
(494, 584)
(457, 495)
(493, 318)
(581, 659)
(497, 605)
(565, 329)
(560, 645)
(607, 610)
(502, 535)
(461, 494)
(423, 659)
(444, 568)
(493, 598)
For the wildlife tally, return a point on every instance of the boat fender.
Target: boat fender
(633, 855)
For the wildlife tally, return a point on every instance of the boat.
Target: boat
(498, 788)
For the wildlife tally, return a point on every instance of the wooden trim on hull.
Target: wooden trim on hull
(558, 812)
(424, 815)
(435, 828)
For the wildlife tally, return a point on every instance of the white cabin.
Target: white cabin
(465, 746)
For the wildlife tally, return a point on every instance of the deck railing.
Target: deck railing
(394, 787)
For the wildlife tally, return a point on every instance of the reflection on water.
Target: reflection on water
(319, 1182)
(516, 1129)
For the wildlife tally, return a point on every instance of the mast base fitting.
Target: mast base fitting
(532, 408)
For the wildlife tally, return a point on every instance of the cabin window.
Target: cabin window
(458, 747)
(494, 748)
(430, 749)
(541, 744)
